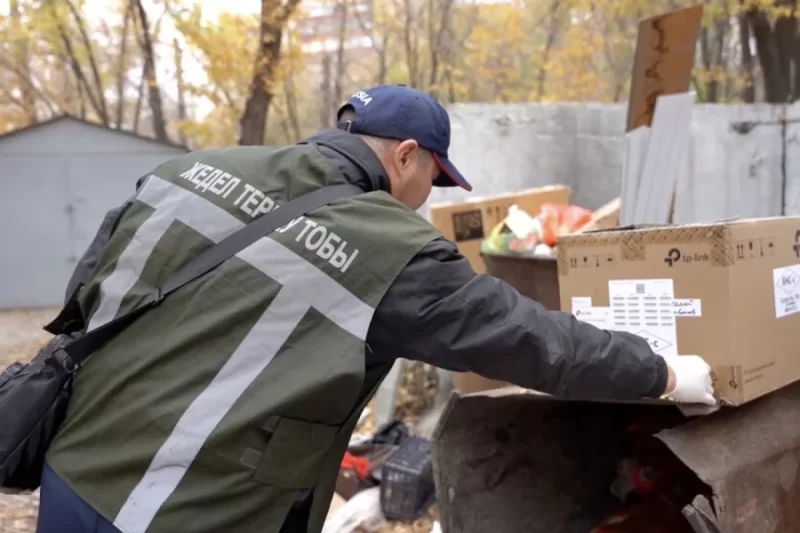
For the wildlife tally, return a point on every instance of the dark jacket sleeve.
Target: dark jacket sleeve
(440, 312)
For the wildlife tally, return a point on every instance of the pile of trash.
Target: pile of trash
(385, 482)
(653, 487)
(526, 235)
(384, 478)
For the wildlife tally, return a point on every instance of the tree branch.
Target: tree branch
(87, 43)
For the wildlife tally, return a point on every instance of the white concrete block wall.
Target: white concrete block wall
(502, 148)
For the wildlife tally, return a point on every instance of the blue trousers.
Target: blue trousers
(63, 511)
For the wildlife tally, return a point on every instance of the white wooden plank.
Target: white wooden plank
(669, 141)
(636, 142)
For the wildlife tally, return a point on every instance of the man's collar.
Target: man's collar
(367, 171)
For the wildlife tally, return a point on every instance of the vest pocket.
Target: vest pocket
(294, 453)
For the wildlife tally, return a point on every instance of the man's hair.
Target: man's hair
(381, 144)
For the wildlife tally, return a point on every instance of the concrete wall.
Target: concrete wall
(57, 182)
(59, 179)
(502, 148)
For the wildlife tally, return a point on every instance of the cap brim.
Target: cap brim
(449, 175)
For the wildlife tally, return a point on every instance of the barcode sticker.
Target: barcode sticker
(645, 308)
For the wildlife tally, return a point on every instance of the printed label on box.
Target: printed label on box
(599, 317)
(786, 286)
(580, 302)
(468, 226)
(644, 307)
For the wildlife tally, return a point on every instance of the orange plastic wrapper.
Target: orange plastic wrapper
(561, 219)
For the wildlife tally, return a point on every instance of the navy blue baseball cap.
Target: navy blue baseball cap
(402, 113)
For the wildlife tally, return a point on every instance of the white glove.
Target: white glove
(692, 380)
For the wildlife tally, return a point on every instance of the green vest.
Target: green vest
(235, 398)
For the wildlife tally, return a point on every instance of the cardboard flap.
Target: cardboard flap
(749, 457)
(688, 410)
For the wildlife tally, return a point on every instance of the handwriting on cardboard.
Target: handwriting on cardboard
(786, 287)
(687, 307)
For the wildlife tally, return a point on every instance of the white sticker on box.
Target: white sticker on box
(580, 302)
(599, 317)
(644, 307)
(786, 286)
(687, 307)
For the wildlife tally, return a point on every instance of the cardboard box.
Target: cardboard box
(733, 289)
(467, 223)
(607, 217)
(468, 383)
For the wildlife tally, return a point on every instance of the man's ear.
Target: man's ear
(407, 153)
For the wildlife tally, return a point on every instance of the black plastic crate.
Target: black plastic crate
(407, 488)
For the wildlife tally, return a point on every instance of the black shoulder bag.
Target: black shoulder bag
(34, 396)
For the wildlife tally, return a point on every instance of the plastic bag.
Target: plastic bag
(361, 512)
(522, 234)
(561, 219)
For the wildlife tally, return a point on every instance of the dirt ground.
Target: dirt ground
(21, 336)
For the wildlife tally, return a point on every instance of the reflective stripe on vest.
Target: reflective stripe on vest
(303, 286)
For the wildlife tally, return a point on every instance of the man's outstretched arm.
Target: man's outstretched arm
(440, 312)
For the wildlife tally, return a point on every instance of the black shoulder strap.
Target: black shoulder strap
(209, 259)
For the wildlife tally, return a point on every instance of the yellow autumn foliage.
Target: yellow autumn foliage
(517, 51)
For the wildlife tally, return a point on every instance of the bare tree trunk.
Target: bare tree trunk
(81, 101)
(776, 86)
(721, 28)
(290, 93)
(66, 81)
(85, 90)
(326, 107)
(749, 91)
(705, 56)
(451, 86)
(410, 43)
(338, 84)
(122, 65)
(383, 63)
(438, 48)
(102, 108)
(796, 76)
(552, 33)
(274, 15)
(153, 91)
(137, 111)
(380, 50)
(786, 42)
(23, 61)
(181, 87)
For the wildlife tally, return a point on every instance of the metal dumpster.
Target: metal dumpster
(513, 461)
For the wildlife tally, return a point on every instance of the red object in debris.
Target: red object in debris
(360, 465)
(644, 479)
(561, 219)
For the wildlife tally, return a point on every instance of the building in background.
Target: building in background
(325, 24)
(59, 179)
